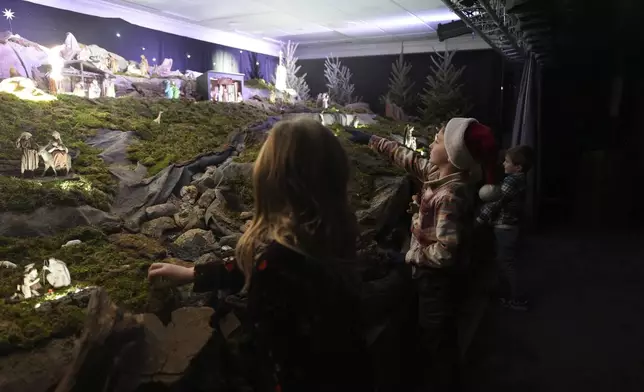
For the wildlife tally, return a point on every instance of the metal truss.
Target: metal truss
(490, 21)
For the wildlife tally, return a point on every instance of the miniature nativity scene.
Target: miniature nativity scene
(55, 156)
(152, 182)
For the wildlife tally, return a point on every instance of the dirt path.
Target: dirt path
(586, 330)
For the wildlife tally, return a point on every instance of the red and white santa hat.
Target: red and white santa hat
(469, 145)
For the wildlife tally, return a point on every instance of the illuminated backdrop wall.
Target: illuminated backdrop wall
(48, 26)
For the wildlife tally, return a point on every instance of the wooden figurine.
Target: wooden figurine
(29, 160)
(55, 155)
(144, 66)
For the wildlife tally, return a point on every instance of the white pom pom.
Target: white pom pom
(489, 193)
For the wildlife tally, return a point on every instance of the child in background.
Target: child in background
(440, 231)
(302, 306)
(505, 216)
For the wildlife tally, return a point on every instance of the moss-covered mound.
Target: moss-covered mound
(118, 263)
(259, 84)
(186, 130)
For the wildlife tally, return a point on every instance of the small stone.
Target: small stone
(207, 258)
(230, 240)
(246, 215)
(160, 210)
(156, 228)
(207, 198)
(72, 243)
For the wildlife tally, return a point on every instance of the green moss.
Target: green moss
(97, 261)
(187, 129)
(243, 187)
(26, 196)
(259, 84)
(249, 154)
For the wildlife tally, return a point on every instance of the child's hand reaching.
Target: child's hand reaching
(175, 273)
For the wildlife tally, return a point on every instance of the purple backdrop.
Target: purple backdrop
(48, 26)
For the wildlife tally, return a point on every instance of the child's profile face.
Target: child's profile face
(509, 167)
(438, 154)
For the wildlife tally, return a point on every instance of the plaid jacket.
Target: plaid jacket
(508, 210)
(438, 229)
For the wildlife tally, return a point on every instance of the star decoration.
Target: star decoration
(8, 14)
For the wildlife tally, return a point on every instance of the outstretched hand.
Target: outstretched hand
(176, 274)
(357, 136)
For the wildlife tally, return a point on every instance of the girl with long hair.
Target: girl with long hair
(302, 304)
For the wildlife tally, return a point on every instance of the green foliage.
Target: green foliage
(254, 72)
(259, 84)
(443, 97)
(187, 130)
(98, 261)
(338, 81)
(400, 85)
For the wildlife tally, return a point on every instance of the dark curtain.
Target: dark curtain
(482, 79)
(526, 129)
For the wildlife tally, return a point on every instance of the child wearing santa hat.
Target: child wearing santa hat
(440, 229)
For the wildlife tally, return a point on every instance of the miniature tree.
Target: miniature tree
(338, 81)
(400, 85)
(293, 81)
(443, 98)
(254, 72)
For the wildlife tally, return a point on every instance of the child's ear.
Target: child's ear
(520, 167)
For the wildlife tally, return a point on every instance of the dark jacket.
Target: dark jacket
(304, 323)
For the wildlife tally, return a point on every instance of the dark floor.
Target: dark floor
(586, 330)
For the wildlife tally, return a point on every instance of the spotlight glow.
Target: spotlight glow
(188, 56)
(118, 35)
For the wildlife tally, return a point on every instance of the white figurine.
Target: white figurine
(30, 282)
(280, 74)
(322, 119)
(71, 49)
(56, 273)
(94, 90)
(108, 87)
(79, 90)
(410, 140)
(325, 100)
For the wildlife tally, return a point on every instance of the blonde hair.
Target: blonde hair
(300, 181)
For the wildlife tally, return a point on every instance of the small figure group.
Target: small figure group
(55, 154)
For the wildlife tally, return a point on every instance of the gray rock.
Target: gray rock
(230, 240)
(207, 198)
(36, 370)
(194, 243)
(218, 215)
(156, 228)
(207, 258)
(161, 210)
(190, 218)
(391, 197)
(210, 179)
(170, 347)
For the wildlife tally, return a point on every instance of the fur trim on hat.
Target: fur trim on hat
(454, 139)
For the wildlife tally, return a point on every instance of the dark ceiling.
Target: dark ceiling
(557, 32)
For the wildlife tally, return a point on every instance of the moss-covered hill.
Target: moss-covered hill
(118, 262)
(187, 129)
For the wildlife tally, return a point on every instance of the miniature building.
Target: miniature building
(220, 86)
(79, 72)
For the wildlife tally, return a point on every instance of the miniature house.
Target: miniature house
(79, 73)
(220, 86)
